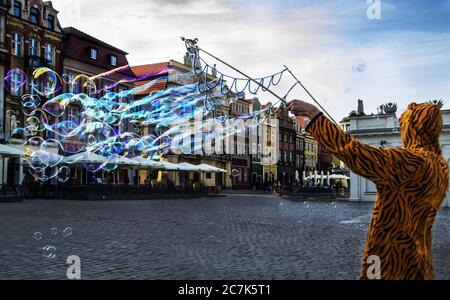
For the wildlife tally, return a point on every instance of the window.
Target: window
(34, 15)
(51, 22)
(93, 53)
(16, 83)
(17, 9)
(73, 114)
(50, 54)
(33, 49)
(17, 44)
(34, 86)
(2, 30)
(113, 60)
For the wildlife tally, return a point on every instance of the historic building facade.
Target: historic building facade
(33, 39)
(240, 152)
(87, 66)
(286, 159)
(156, 77)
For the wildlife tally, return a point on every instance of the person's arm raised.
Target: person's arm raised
(380, 165)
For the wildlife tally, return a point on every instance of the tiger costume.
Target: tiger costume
(411, 186)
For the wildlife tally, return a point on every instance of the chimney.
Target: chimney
(188, 59)
(360, 107)
(214, 71)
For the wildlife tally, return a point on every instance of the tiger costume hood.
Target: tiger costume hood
(421, 126)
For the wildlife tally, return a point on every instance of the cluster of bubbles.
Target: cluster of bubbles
(109, 125)
(49, 251)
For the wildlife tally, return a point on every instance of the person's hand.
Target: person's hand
(301, 108)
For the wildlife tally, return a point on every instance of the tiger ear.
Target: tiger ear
(412, 106)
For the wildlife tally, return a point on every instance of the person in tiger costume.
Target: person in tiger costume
(411, 186)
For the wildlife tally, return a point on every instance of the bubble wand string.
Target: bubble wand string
(193, 44)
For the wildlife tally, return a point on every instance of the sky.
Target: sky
(405, 48)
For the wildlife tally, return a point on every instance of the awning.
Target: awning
(9, 151)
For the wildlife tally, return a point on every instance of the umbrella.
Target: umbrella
(8, 151)
(125, 161)
(84, 157)
(211, 169)
(148, 163)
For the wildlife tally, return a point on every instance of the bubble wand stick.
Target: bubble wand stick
(310, 95)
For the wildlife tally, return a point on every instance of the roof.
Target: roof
(83, 35)
(76, 44)
(148, 73)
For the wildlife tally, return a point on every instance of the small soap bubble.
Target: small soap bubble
(37, 236)
(64, 174)
(359, 66)
(67, 232)
(348, 90)
(54, 231)
(235, 173)
(333, 204)
(49, 251)
(306, 203)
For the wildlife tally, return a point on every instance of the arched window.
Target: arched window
(17, 44)
(34, 15)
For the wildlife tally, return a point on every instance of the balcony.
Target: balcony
(34, 61)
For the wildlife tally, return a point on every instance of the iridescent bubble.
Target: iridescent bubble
(30, 101)
(46, 82)
(67, 232)
(49, 251)
(54, 231)
(333, 204)
(64, 174)
(83, 84)
(235, 173)
(37, 236)
(14, 80)
(359, 66)
(306, 203)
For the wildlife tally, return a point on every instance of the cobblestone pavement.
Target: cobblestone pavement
(244, 236)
